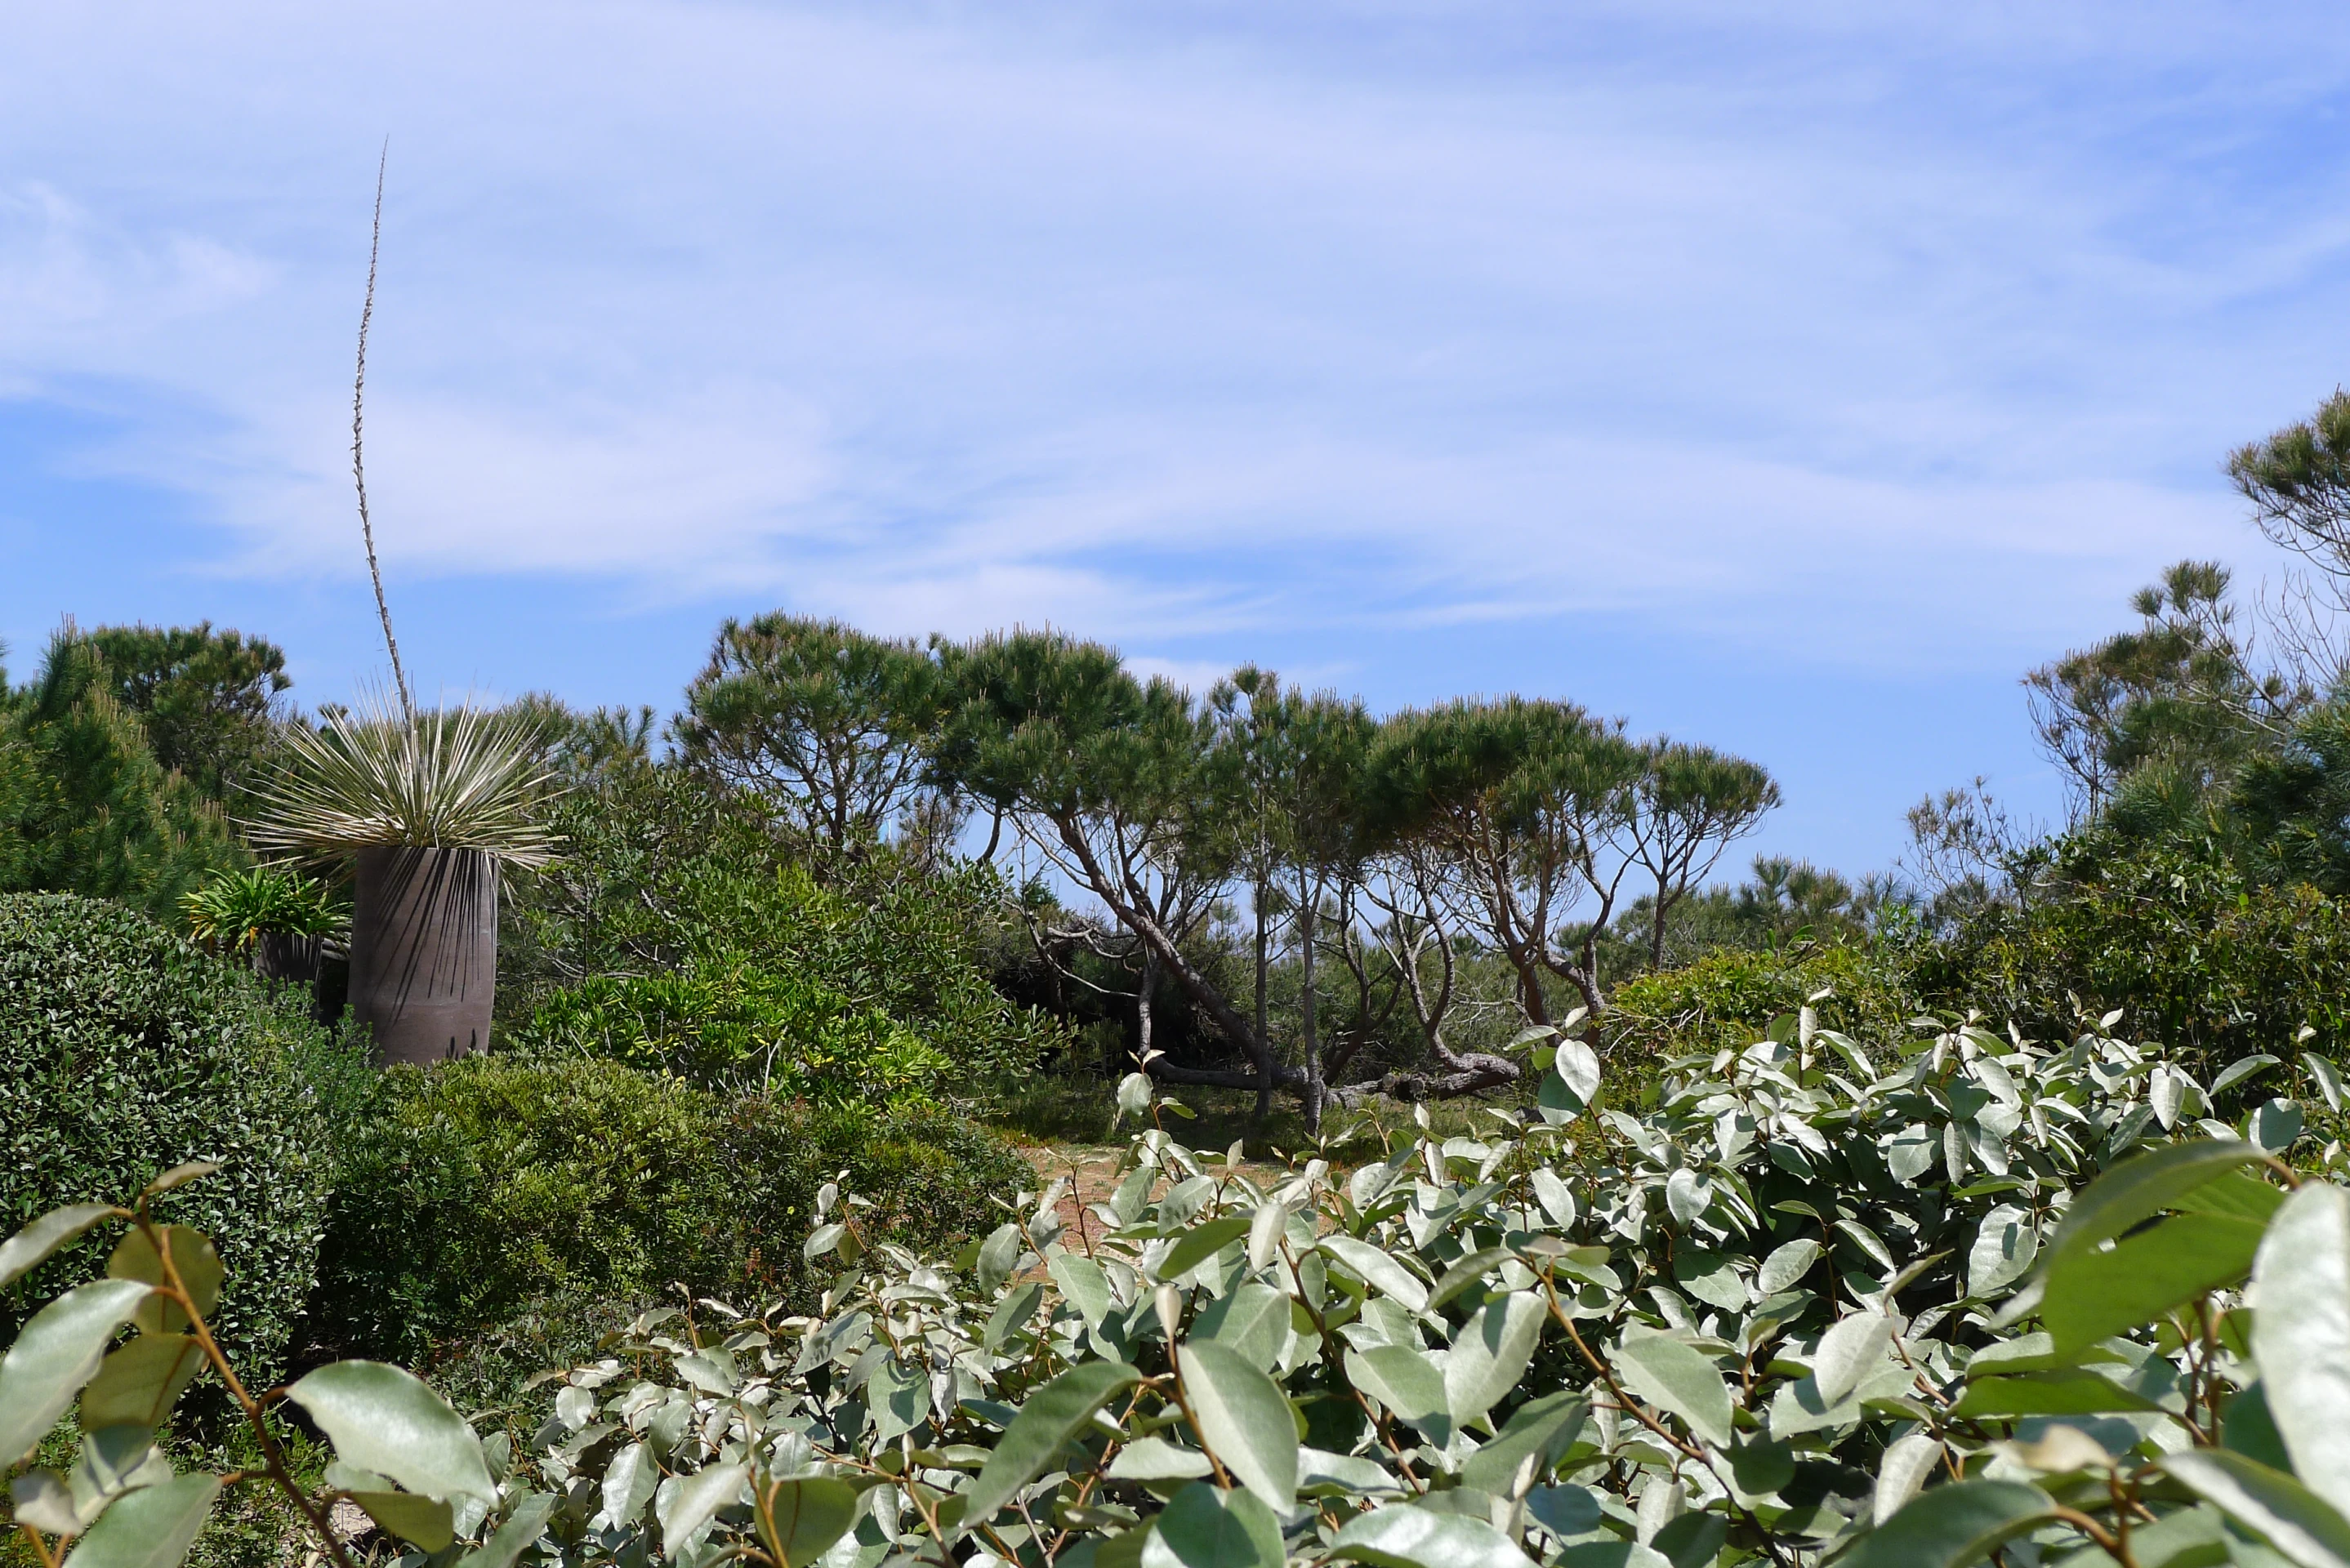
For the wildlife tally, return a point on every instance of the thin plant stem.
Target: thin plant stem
(359, 460)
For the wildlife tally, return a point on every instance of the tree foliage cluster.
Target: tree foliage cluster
(118, 759)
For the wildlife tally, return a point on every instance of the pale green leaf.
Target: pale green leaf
(1377, 1269)
(383, 1420)
(1543, 1428)
(1407, 1382)
(1155, 1459)
(1849, 1351)
(423, 1520)
(2091, 1295)
(2294, 1519)
(1399, 1535)
(1203, 1526)
(150, 1528)
(1785, 1265)
(525, 1525)
(2301, 1334)
(1950, 1526)
(2005, 1244)
(1243, 1418)
(697, 1500)
(58, 1351)
(1051, 1416)
(2140, 1188)
(192, 1258)
(799, 1520)
(1202, 1242)
(1489, 1354)
(137, 1383)
(32, 1246)
(1674, 1377)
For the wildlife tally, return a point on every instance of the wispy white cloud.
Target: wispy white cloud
(1819, 331)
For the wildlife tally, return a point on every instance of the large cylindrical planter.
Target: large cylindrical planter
(425, 951)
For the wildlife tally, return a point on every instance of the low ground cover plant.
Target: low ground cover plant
(1912, 1302)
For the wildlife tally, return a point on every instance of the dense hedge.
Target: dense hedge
(2192, 950)
(1729, 998)
(128, 1051)
(482, 1194)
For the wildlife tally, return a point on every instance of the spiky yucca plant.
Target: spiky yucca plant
(453, 779)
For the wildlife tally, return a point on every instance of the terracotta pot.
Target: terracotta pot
(425, 951)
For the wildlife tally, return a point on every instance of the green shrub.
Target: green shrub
(128, 1051)
(1729, 999)
(888, 957)
(472, 1188)
(510, 1203)
(2192, 950)
(741, 1026)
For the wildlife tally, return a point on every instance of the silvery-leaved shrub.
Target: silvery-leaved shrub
(1949, 1301)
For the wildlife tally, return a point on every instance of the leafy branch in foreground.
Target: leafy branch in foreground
(1959, 1299)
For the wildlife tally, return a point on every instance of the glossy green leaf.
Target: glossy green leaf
(31, 1247)
(58, 1351)
(1489, 1354)
(383, 1420)
(1243, 1418)
(1544, 1427)
(1407, 1382)
(2293, 1519)
(1204, 1526)
(1672, 1377)
(1950, 1526)
(798, 1520)
(2091, 1295)
(2300, 1336)
(1377, 1269)
(422, 1521)
(137, 1385)
(151, 1528)
(1201, 1242)
(1050, 1418)
(2141, 1186)
(697, 1500)
(192, 1258)
(1401, 1536)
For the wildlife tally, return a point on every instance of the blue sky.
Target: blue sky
(1787, 377)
